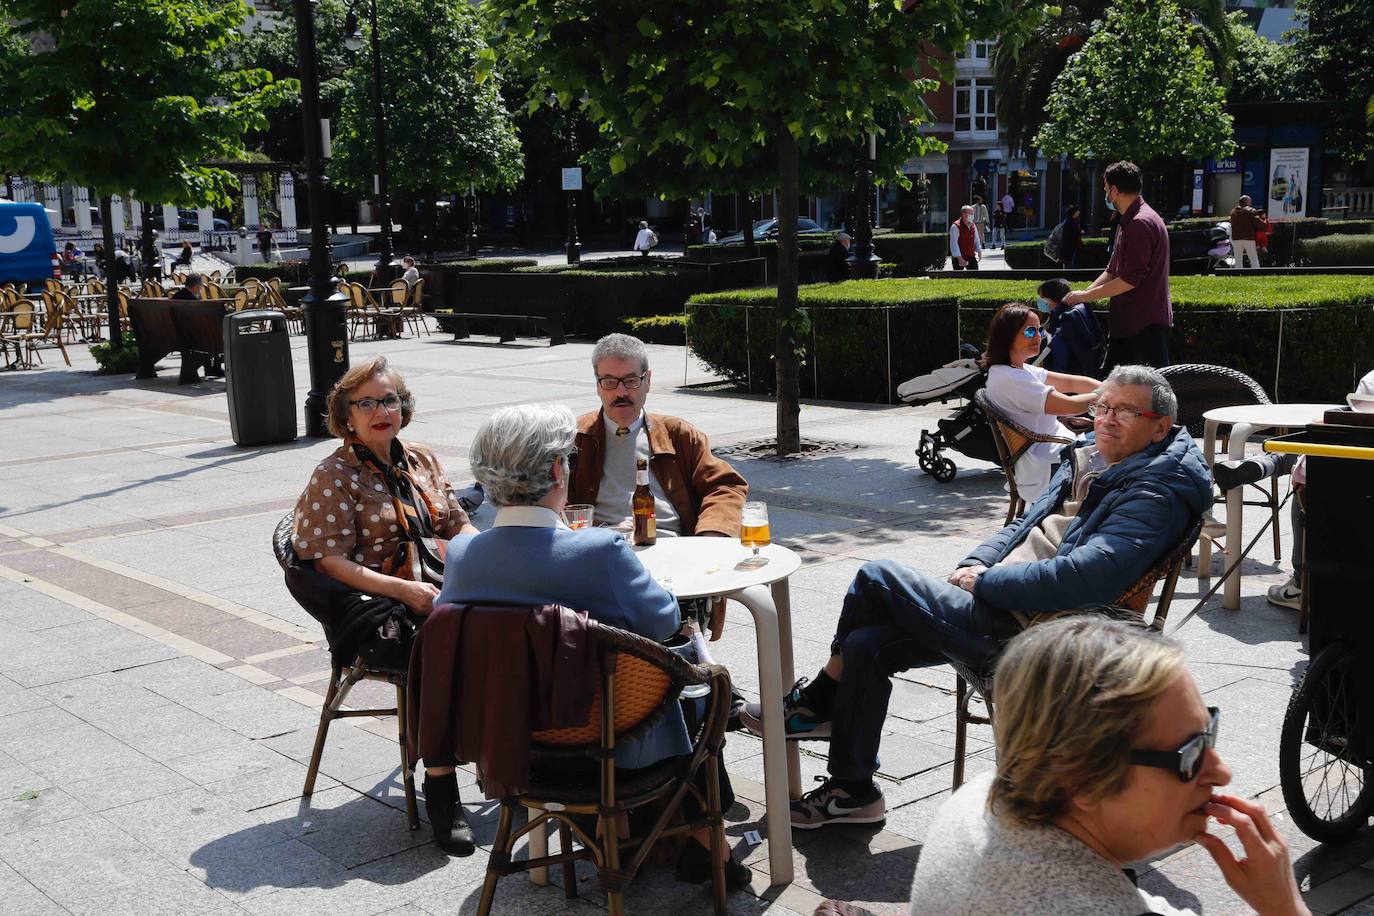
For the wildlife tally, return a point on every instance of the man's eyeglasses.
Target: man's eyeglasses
(612, 382)
(390, 402)
(1030, 333)
(1187, 760)
(1124, 414)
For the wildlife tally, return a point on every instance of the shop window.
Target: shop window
(975, 106)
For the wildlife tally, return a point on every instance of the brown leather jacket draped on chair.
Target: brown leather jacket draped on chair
(482, 682)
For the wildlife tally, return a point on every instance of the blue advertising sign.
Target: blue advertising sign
(26, 243)
(1229, 165)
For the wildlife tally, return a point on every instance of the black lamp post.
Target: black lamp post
(472, 233)
(353, 40)
(325, 328)
(863, 264)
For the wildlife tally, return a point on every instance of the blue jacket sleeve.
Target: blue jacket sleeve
(1097, 571)
(644, 606)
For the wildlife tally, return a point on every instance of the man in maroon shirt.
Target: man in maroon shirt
(1136, 278)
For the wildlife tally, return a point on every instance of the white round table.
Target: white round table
(1245, 420)
(699, 567)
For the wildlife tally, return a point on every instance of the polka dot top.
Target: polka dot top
(346, 510)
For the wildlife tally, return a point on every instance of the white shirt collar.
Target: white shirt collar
(527, 517)
(612, 426)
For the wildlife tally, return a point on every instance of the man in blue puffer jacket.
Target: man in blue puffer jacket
(1122, 498)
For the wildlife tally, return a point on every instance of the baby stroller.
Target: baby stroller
(966, 430)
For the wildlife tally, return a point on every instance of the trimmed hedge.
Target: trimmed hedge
(1351, 226)
(913, 253)
(1316, 333)
(291, 273)
(487, 265)
(1337, 250)
(1031, 255)
(664, 329)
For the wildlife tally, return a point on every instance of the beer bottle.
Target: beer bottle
(643, 505)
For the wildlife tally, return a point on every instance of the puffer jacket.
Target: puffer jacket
(1134, 513)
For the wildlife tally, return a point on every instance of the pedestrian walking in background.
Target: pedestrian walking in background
(965, 244)
(265, 243)
(981, 217)
(646, 239)
(1245, 224)
(1137, 276)
(837, 259)
(1008, 208)
(999, 232)
(1072, 239)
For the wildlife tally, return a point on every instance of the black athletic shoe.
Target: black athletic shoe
(694, 867)
(799, 720)
(1237, 473)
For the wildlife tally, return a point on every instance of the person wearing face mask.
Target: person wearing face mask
(1076, 339)
(965, 242)
(1137, 277)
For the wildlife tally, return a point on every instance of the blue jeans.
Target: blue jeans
(893, 619)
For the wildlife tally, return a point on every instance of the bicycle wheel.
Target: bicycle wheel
(1327, 784)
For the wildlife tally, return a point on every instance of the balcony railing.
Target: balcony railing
(1348, 203)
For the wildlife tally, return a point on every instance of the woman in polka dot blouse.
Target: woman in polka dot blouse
(347, 519)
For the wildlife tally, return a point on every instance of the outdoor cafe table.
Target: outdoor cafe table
(706, 567)
(1245, 421)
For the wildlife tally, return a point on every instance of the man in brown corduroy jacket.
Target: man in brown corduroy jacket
(695, 493)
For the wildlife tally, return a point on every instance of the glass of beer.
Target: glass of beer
(578, 516)
(754, 533)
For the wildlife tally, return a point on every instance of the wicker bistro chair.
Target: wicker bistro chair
(640, 679)
(1199, 388)
(342, 679)
(970, 680)
(1012, 439)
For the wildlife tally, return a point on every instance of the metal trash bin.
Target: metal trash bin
(258, 377)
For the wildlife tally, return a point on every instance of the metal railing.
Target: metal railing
(1349, 202)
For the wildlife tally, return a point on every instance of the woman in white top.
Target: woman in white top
(1106, 755)
(1033, 397)
(646, 239)
(411, 275)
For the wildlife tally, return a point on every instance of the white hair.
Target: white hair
(513, 452)
(1162, 397)
(620, 346)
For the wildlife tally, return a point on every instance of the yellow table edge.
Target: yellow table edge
(1320, 449)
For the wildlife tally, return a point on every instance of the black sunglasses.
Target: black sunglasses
(1187, 760)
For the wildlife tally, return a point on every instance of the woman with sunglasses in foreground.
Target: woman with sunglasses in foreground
(1031, 396)
(1106, 755)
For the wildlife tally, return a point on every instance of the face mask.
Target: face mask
(1107, 199)
(1042, 305)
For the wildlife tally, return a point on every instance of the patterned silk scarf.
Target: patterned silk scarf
(419, 556)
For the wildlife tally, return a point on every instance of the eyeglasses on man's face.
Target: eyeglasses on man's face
(1123, 413)
(1187, 760)
(612, 382)
(368, 405)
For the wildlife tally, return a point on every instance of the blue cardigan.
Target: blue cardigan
(1134, 513)
(1078, 342)
(592, 570)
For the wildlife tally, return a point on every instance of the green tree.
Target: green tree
(1336, 50)
(128, 97)
(716, 85)
(1141, 88)
(446, 130)
(1263, 70)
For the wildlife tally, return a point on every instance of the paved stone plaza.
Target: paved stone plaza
(159, 689)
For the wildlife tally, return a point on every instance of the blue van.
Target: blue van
(28, 253)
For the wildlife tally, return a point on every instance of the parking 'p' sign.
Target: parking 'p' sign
(572, 179)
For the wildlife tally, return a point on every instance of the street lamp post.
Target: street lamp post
(325, 328)
(863, 265)
(472, 234)
(354, 42)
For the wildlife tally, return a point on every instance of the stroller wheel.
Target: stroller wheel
(926, 461)
(944, 470)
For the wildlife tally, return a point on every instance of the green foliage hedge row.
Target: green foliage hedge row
(1031, 255)
(1327, 325)
(291, 273)
(913, 252)
(664, 329)
(1351, 226)
(487, 265)
(1337, 250)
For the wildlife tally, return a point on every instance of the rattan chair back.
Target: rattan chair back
(1012, 439)
(1200, 387)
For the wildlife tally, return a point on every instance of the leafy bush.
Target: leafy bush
(1351, 226)
(767, 248)
(487, 265)
(291, 273)
(913, 252)
(1196, 222)
(1285, 236)
(114, 360)
(664, 329)
(1031, 255)
(1327, 324)
(1337, 251)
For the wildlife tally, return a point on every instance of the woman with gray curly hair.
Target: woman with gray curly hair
(522, 456)
(1106, 755)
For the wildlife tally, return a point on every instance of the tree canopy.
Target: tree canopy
(129, 96)
(1263, 70)
(1141, 88)
(1337, 51)
(446, 128)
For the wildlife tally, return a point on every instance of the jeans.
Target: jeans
(893, 619)
(1148, 348)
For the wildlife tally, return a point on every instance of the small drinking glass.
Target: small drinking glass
(578, 516)
(754, 533)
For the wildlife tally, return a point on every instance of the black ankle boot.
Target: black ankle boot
(1236, 473)
(451, 831)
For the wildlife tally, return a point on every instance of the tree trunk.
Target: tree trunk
(787, 372)
(111, 286)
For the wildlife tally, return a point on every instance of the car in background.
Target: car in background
(188, 221)
(28, 253)
(767, 229)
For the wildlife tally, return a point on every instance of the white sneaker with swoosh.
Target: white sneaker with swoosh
(830, 804)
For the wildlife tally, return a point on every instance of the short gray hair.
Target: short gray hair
(513, 452)
(620, 346)
(1162, 397)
